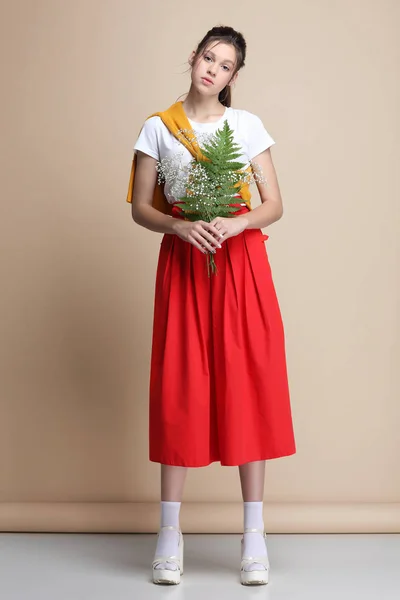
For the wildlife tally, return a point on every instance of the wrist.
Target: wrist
(174, 225)
(246, 221)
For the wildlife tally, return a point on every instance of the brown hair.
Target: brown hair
(227, 35)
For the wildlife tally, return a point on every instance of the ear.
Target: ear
(191, 57)
(233, 80)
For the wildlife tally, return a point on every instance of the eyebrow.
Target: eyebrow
(227, 60)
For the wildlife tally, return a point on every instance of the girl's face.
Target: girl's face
(216, 65)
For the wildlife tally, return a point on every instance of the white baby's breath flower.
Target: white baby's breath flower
(173, 171)
(257, 175)
(206, 189)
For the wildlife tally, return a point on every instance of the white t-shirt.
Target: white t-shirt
(157, 141)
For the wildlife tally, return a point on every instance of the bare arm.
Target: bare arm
(143, 213)
(202, 235)
(271, 209)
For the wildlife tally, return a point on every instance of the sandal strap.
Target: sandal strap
(173, 527)
(263, 560)
(170, 527)
(163, 559)
(254, 530)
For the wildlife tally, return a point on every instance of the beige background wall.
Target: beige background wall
(78, 79)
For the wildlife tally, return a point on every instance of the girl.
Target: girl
(218, 383)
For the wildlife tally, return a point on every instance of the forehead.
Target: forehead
(222, 51)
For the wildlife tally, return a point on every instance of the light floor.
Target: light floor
(44, 566)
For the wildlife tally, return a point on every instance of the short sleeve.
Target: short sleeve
(258, 138)
(147, 140)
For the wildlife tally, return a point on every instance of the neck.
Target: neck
(201, 108)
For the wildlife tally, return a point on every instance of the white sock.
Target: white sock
(168, 539)
(254, 543)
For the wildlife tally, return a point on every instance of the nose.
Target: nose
(211, 71)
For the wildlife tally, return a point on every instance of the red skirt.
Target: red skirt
(218, 380)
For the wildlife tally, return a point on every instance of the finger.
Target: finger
(215, 240)
(196, 244)
(224, 234)
(207, 225)
(213, 229)
(210, 233)
(203, 241)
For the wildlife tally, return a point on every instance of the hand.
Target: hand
(230, 226)
(201, 234)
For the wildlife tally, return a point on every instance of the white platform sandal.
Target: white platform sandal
(168, 576)
(254, 577)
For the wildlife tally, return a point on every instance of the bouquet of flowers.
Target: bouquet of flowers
(210, 182)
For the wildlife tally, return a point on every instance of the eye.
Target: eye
(210, 57)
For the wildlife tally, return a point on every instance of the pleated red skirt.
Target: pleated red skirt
(218, 379)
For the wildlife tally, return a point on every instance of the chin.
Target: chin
(202, 89)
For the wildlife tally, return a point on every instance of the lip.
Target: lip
(207, 80)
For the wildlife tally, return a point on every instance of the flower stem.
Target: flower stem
(211, 265)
